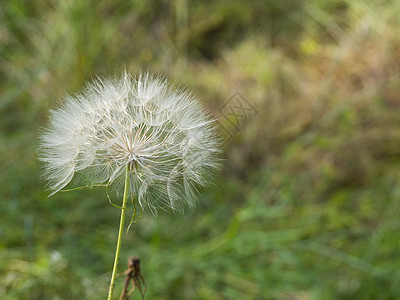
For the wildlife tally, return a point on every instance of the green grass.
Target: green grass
(307, 203)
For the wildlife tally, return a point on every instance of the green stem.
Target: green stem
(121, 229)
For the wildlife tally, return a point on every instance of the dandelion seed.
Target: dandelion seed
(162, 135)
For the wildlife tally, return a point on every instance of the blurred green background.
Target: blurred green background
(307, 203)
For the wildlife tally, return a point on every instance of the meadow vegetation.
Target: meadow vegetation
(307, 203)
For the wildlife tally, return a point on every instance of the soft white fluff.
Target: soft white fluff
(161, 133)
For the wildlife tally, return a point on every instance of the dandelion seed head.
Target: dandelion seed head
(162, 135)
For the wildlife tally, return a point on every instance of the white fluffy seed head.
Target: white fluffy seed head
(162, 134)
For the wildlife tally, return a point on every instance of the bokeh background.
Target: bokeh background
(307, 203)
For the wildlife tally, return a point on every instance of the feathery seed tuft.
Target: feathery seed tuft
(162, 134)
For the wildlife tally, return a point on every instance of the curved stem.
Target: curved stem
(121, 229)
